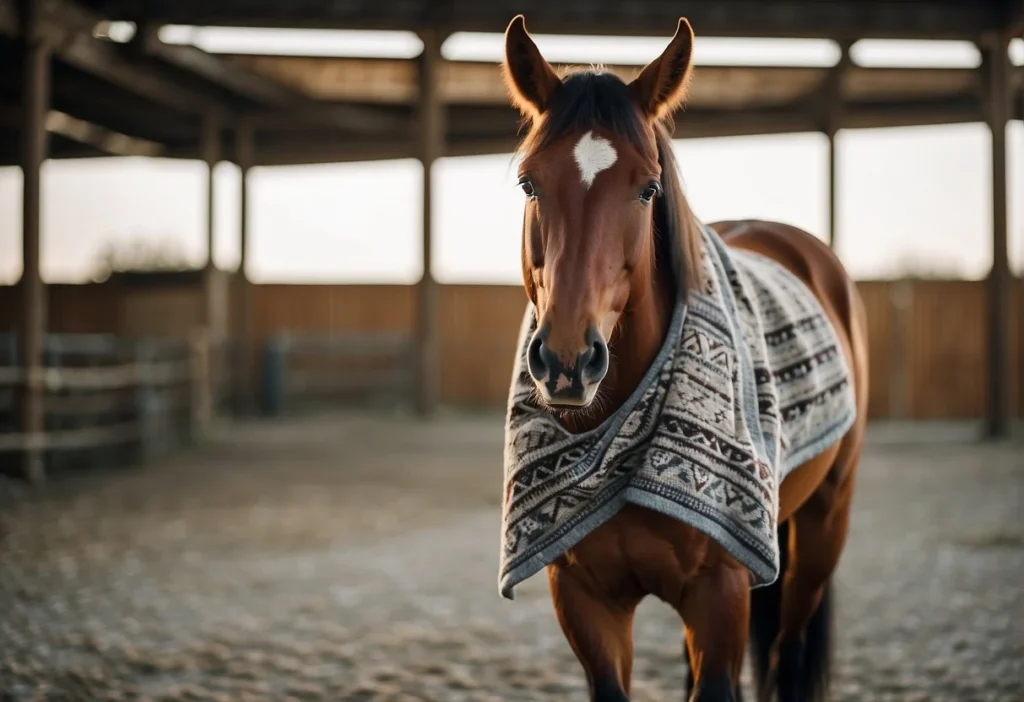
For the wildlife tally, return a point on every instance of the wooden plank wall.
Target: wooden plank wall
(926, 338)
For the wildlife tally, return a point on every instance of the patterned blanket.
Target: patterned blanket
(750, 383)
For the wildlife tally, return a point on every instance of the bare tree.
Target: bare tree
(140, 255)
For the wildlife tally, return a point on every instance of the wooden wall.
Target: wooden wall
(927, 338)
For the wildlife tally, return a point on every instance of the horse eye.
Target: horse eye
(527, 187)
(649, 192)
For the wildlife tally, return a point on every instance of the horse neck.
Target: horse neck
(636, 341)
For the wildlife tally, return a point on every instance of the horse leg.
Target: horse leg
(599, 630)
(801, 651)
(715, 608)
(691, 680)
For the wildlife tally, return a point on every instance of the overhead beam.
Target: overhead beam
(780, 18)
(106, 140)
(395, 81)
(85, 132)
(1016, 27)
(496, 134)
(64, 28)
(260, 89)
(213, 69)
(476, 83)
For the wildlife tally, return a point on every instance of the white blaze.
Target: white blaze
(593, 155)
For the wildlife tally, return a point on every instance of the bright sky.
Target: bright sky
(910, 199)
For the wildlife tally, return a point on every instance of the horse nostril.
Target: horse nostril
(595, 359)
(535, 359)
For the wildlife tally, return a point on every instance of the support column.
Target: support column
(32, 327)
(997, 71)
(431, 137)
(833, 119)
(832, 185)
(213, 304)
(243, 379)
(210, 148)
(215, 294)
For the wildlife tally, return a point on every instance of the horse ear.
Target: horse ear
(661, 86)
(528, 76)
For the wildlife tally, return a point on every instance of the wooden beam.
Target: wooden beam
(32, 329)
(299, 148)
(65, 27)
(106, 140)
(998, 367)
(431, 146)
(1016, 27)
(758, 18)
(352, 119)
(212, 68)
(739, 89)
(296, 106)
(396, 82)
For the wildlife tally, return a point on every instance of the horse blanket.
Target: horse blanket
(749, 383)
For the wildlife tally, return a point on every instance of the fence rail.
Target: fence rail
(307, 366)
(108, 399)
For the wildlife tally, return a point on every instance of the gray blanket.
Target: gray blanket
(750, 383)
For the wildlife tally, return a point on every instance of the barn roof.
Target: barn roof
(148, 97)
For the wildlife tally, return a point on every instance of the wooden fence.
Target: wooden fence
(108, 399)
(330, 368)
(927, 338)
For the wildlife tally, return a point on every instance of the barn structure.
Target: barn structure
(72, 88)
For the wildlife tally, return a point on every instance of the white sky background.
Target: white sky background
(910, 199)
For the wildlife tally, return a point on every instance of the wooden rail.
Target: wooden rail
(308, 366)
(104, 392)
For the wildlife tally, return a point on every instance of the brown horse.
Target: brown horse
(609, 243)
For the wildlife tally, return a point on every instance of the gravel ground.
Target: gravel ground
(350, 558)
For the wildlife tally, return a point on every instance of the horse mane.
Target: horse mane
(596, 99)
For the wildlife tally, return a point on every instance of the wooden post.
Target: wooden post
(432, 131)
(32, 331)
(901, 310)
(833, 119)
(201, 405)
(997, 71)
(242, 372)
(210, 149)
(832, 171)
(213, 294)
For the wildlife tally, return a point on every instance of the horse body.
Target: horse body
(598, 584)
(606, 253)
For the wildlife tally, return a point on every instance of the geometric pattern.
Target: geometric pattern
(749, 383)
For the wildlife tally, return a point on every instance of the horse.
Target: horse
(608, 243)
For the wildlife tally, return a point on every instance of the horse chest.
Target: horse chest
(640, 552)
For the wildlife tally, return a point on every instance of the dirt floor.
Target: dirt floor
(355, 558)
